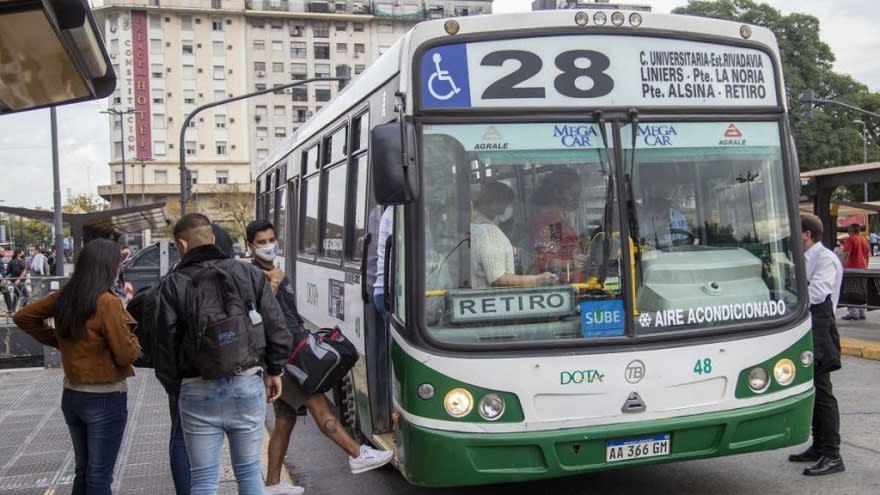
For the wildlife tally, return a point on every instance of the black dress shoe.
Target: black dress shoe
(826, 465)
(809, 455)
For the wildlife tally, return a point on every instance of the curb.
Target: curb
(860, 348)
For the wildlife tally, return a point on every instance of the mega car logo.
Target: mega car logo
(657, 135)
(732, 137)
(575, 136)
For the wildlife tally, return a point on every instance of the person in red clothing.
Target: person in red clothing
(855, 255)
(555, 239)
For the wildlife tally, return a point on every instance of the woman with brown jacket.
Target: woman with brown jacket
(93, 331)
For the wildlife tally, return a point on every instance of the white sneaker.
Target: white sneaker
(369, 459)
(283, 488)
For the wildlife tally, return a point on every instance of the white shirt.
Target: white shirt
(824, 274)
(491, 252)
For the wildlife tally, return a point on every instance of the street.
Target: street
(321, 468)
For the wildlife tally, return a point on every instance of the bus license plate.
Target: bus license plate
(637, 448)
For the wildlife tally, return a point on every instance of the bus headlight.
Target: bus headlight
(635, 20)
(784, 371)
(581, 18)
(491, 407)
(617, 18)
(807, 358)
(426, 391)
(599, 18)
(759, 379)
(458, 402)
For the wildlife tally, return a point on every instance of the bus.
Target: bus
(595, 257)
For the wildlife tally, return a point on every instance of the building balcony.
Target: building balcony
(235, 5)
(310, 7)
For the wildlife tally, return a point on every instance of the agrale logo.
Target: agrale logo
(732, 136)
(492, 134)
(580, 376)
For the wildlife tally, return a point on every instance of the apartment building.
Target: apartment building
(172, 56)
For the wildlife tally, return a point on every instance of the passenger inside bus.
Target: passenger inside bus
(492, 257)
(554, 235)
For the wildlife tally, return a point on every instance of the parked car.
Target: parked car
(143, 269)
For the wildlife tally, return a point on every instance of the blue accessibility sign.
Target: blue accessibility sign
(445, 77)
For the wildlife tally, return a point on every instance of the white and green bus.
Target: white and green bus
(635, 296)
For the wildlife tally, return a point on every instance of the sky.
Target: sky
(848, 26)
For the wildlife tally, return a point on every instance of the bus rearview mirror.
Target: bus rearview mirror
(393, 156)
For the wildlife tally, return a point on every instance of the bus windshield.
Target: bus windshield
(523, 237)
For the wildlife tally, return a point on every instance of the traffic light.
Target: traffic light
(806, 101)
(344, 72)
(187, 190)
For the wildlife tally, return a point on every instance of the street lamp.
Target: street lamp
(112, 111)
(748, 177)
(864, 148)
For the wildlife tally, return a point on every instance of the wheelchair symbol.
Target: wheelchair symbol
(441, 75)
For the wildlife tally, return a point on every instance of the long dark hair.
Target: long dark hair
(95, 273)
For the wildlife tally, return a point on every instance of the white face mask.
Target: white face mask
(267, 252)
(508, 212)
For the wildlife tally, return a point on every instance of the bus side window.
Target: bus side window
(308, 225)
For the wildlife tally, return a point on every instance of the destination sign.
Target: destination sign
(476, 305)
(595, 70)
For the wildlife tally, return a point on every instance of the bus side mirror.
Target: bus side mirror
(393, 153)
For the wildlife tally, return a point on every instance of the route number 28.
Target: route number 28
(566, 83)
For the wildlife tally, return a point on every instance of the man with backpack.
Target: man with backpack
(264, 244)
(218, 330)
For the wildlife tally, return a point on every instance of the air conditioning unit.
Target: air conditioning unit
(261, 73)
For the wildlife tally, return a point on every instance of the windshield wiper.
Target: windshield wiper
(609, 194)
(631, 210)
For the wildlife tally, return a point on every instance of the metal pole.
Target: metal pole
(186, 121)
(865, 153)
(56, 181)
(143, 167)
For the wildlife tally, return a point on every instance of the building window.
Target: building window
(341, 47)
(260, 66)
(321, 29)
(300, 94)
(358, 27)
(277, 46)
(186, 47)
(220, 121)
(278, 91)
(259, 45)
(155, 21)
(223, 177)
(219, 94)
(117, 177)
(359, 48)
(188, 72)
(278, 110)
(261, 110)
(297, 49)
(155, 71)
(298, 71)
(217, 25)
(186, 23)
(262, 132)
(280, 132)
(218, 48)
(262, 153)
(216, 4)
(322, 51)
(341, 27)
(296, 30)
(461, 11)
(219, 72)
(260, 86)
(155, 46)
(158, 121)
(159, 148)
(386, 27)
(160, 176)
(277, 67)
(193, 177)
(189, 97)
(383, 49)
(221, 148)
(190, 147)
(299, 114)
(359, 68)
(276, 23)
(158, 95)
(322, 95)
(322, 70)
(435, 12)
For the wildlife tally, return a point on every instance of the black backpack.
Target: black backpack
(143, 308)
(321, 359)
(224, 326)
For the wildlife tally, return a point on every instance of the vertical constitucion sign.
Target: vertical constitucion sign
(140, 41)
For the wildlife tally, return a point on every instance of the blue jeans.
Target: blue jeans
(209, 409)
(177, 451)
(379, 302)
(96, 423)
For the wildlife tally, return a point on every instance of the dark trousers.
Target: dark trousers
(96, 423)
(826, 416)
(177, 451)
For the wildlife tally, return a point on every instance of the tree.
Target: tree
(829, 138)
(83, 203)
(236, 206)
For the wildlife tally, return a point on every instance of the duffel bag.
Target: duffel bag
(321, 359)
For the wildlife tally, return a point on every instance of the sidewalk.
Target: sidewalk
(36, 457)
(861, 338)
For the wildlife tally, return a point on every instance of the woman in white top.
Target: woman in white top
(491, 252)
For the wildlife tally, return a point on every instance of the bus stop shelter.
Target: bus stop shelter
(818, 186)
(106, 224)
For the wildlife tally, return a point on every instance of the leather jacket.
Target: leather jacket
(174, 343)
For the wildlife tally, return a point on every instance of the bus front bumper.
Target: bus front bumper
(444, 458)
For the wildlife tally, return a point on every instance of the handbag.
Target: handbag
(321, 359)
